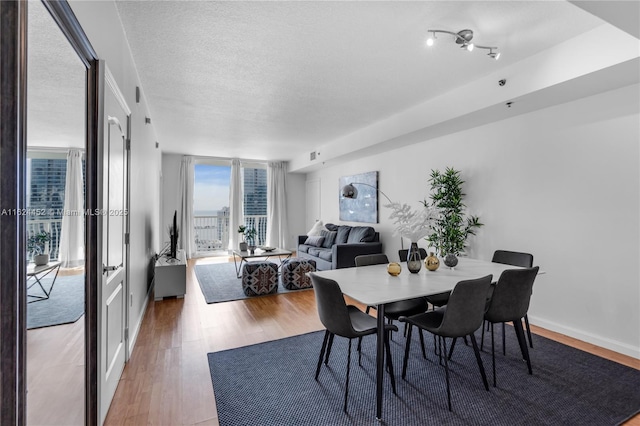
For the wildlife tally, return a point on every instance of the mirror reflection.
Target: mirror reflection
(55, 224)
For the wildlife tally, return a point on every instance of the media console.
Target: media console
(170, 276)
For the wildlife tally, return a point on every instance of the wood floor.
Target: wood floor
(167, 380)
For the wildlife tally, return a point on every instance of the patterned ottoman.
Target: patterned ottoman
(294, 272)
(259, 278)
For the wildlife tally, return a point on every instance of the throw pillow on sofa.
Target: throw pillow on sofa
(331, 226)
(329, 238)
(361, 234)
(314, 240)
(315, 230)
(342, 234)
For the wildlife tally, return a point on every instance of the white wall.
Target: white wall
(170, 193)
(171, 201)
(296, 207)
(102, 25)
(562, 183)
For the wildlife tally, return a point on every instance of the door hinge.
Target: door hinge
(126, 334)
(128, 145)
(126, 238)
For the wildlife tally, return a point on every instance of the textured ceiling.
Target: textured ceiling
(56, 85)
(276, 80)
(272, 80)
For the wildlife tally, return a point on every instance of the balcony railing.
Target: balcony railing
(211, 233)
(52, 226)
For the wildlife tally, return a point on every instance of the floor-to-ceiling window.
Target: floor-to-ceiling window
(211, 204)
(211, 207)
(255, 199)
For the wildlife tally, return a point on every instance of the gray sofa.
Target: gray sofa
(338, 245)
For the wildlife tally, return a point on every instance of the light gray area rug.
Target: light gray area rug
(219, 283)
(65, 304)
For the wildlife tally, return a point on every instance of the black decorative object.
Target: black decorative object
(414, 262)
(173, 235)
(450, 260)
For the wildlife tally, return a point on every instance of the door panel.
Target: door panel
(115, 327)
(116, 192)
(114, 286)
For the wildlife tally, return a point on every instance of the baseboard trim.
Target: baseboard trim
(603, 342)
(134, 336)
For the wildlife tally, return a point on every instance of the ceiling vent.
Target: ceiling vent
(312, 156)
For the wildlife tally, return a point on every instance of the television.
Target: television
(173, 234)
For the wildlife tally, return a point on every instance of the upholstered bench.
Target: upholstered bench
(294, 272)
(259, 278)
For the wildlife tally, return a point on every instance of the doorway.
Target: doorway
(13, 244)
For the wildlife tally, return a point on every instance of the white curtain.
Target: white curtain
(72, 228)
(185, 227)
(236, 211)
(277, 205)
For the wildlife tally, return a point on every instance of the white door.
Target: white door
(114, 289)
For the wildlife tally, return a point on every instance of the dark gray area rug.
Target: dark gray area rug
(65, 304)
(219, 283)
(272, 384)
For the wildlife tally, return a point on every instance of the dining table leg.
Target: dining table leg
(380, 360)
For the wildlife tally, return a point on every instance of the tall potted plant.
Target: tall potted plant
(452, 227)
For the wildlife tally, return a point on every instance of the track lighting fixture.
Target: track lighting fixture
(463, 38)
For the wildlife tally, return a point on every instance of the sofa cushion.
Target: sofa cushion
(315, 241)
(303, 248)
(315, 230)
(325, 254)
(331, 226)
(361, 234)
(314, 251)
(343, 234)
(329, 238)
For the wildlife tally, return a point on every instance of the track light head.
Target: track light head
(464, 37)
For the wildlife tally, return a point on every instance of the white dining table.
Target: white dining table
(373, 286)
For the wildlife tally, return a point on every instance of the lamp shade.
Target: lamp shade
(349, 191)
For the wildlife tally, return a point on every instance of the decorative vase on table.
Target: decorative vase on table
(394, 269)
(243, 246)
(450, 260)
(414, 262)
(432, 262)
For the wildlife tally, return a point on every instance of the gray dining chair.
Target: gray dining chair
(461, 317)
(514, 258)
(509, 303)
(345, 321)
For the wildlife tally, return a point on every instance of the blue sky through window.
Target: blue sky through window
(211, 188)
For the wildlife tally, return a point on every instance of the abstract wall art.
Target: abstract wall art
(364, 207)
